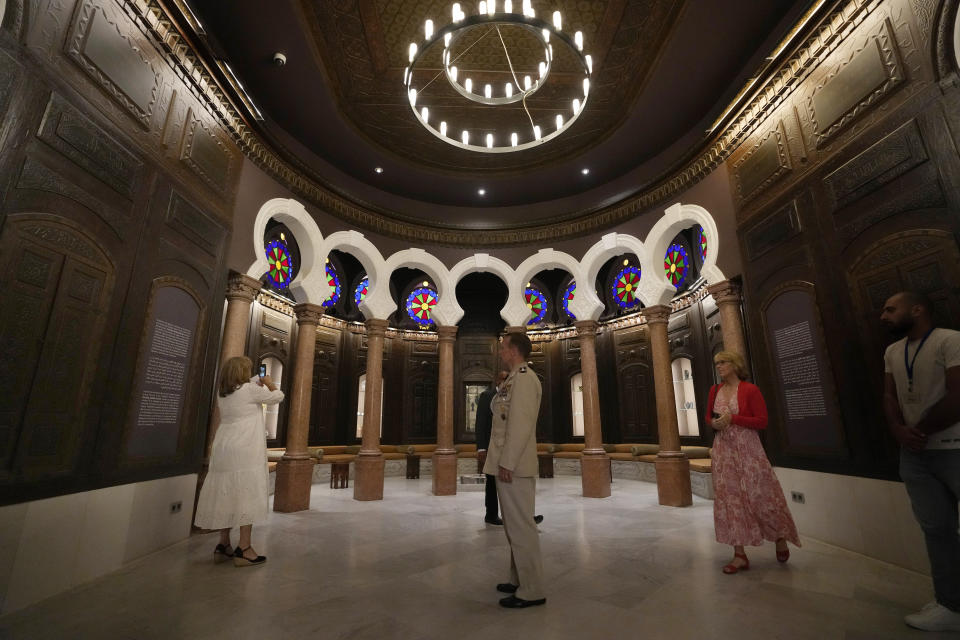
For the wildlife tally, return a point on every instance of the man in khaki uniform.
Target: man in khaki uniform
(512, 457)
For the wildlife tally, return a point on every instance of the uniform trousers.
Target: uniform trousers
(517, 509)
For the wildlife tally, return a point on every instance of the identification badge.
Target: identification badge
(912, 397)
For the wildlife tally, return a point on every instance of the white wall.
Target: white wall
(872, 517)
(48, 546)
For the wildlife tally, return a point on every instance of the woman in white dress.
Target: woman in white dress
(235, 491)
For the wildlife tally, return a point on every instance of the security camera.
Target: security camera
(279, 59)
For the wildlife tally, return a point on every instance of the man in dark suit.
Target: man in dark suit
(483, 424)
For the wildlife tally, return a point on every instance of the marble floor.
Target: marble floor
(416, 566)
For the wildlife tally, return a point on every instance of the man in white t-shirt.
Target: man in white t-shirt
(922, 405)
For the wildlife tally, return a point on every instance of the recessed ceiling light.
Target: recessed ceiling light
(585, 171)
(378, 169)
(481, 191)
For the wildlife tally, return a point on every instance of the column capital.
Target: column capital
(725, 292)
(376, 327)
(586, 327)
(308, 313)
(657, 314)
(447, 333)
(242, 287)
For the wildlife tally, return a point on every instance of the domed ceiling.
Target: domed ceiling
(337, 110)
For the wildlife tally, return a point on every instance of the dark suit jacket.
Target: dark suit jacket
(484, 418)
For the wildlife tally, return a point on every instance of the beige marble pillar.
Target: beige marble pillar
(594, 464)
(368, 468)
(673, 468)
(295, 469)
(727, 296)
(241, 292)
(445, 457)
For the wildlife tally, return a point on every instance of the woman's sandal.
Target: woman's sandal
(222, 553)
(240, 561)
(783, 556)
(732, 568)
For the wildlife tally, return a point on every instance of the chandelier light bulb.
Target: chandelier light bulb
(536, 132)
(465, 137)
(589, 63)
(453, 73)
(413, 97)
(489, 141)
(491, 7)
(406, 76)
(487, 91)
(586, 87)
(526, 7)
(550, 49)
(483, 6)
(428, 29)
(507, 6)
(546, 35)
(526, 83)
(557, 20)
(425, 114)
(443, 127)
(455, 12)
(513, 139)
(576, 106)
(559, 121)
(543, 69)
(468, 85)
(508, 90)
(413, 51)
(578, 40)
(446, 40)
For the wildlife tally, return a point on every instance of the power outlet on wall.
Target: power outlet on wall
(175, 507)
(797, 496)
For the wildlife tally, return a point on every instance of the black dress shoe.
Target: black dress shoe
(538, 519)
(496, 521)
(506, 587)
(513, 602)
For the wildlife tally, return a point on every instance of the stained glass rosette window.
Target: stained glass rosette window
(568, 298)
(537, 303)
(420, 303)
(625, 287)
(676, 264)
(333, 281)
(702, 242)
(281, 264)
(361, 291)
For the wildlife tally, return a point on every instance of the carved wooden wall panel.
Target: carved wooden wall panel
(636, 396)
(326, 381)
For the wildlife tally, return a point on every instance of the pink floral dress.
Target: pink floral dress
(749, 506)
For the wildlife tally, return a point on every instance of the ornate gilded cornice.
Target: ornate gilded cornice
(771, 90)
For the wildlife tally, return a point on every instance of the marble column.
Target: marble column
(368, 467)
(673, 468)
(242, 290)
(594, 463)
(295, 469)
(445, 457)
(727, 296)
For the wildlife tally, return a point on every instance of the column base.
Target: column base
(294, 479)
(445, 473)
(368, 477)
(673, 481)
(595, 475)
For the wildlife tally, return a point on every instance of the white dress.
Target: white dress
(235, 491)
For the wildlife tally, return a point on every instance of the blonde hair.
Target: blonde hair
(734, 358)
(235, 373)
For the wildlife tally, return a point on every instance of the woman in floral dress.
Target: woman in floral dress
(749, 506)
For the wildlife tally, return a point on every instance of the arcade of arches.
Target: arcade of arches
(151, 227)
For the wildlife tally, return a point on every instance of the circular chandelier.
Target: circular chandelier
(520, 87)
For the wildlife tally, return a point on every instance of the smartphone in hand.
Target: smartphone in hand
(263, 370)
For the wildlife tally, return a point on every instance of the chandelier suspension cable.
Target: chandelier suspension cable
(515, 81)
(463, 53)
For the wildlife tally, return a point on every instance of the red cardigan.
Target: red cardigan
(753, 410)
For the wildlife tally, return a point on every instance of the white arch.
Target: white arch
(515, 312)
(609, 246)
(482, 262)
(677, 217)
(303, 227)
(378, 303)
(447, 311)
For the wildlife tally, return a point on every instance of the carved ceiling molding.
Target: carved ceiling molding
(841, 21)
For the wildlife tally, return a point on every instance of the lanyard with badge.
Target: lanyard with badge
(912, 397)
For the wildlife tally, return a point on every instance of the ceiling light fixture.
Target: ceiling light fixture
(585, 171)
(492, 17)
(378, 169)
(481, 192)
